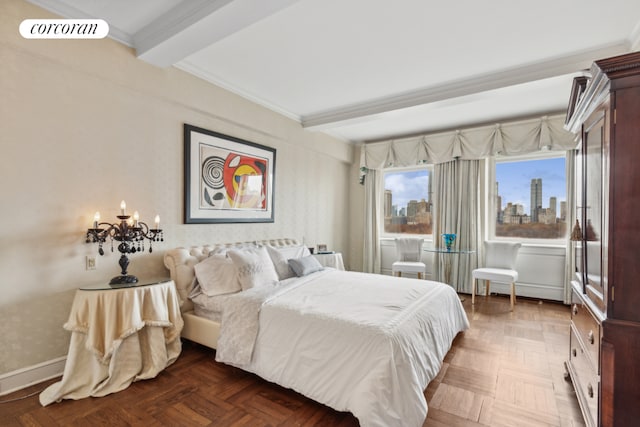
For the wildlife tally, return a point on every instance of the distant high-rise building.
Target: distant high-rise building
(563, 211)
(429, 191)
(513, 213)
(536, 198)
(553, 204)
(423, 212)
(388, 205)
(412, 209)
(500, 213)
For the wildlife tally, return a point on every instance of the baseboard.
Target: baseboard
(25, 377)
(530, 290)
(388, 272)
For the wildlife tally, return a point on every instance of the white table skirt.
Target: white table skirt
(331, 260)
(118, 336)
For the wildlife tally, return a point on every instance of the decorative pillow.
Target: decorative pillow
(280, 262)
(254, 267)
(294, 251)
(217, 275)
(305, 265)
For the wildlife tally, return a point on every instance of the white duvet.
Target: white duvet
(364, 343)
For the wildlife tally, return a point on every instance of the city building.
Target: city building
(536, 198)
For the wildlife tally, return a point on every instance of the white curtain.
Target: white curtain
(372, 215)
(512, 138)
(488, 204)
(457, 210)
(570, 264)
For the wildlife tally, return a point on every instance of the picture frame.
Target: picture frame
(226, 179)
(322, 247)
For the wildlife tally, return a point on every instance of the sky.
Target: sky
(407, 186)
(514, 180)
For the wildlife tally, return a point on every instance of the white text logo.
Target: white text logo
(64, 29)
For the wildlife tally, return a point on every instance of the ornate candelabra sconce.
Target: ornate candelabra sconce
(131, 233)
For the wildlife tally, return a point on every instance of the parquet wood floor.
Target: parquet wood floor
(507, 370)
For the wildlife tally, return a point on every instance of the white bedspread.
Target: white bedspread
(363, 343)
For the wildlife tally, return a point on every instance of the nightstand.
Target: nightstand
(119, 334)
(333, 260)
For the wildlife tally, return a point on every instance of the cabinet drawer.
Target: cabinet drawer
(585, 379)
(588, 329)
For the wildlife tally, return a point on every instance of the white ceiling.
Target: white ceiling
(364, 70)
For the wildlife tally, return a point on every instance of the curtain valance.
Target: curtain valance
(511, 138)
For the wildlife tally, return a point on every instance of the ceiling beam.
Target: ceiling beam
(195, 24)
(356, 113)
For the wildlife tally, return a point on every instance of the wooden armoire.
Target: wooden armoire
(604, 359)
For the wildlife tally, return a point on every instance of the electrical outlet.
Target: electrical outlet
(91, 262)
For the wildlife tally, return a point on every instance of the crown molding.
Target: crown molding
(205, 75)
(483, 82)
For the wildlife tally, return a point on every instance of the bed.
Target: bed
(363, 343)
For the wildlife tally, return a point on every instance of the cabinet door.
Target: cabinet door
(624, 206)
(593, 170)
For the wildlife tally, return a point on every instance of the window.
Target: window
(531, 200)
(407, 201)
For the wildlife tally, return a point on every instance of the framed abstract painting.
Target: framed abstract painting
(227, 179)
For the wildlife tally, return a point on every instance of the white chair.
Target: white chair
(500, 262)
(409, 252)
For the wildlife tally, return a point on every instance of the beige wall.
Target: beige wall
(83, 125)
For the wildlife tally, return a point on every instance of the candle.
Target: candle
(157, 221)
(96, 219)
(136, 217)
(123, 206)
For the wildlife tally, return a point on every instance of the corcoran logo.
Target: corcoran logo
(64, 29)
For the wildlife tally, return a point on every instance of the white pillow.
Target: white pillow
(217, 275)
(280, 262)
(254, 267)
(293, 251)
(305, 265)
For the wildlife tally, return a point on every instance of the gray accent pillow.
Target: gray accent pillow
(280, 263)
(305, 265)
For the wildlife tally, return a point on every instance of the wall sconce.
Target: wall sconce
(130, 232)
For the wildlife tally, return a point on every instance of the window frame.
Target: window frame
(382, 233)
(492, 208)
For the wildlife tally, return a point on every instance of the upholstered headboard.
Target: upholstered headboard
(180, 262)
